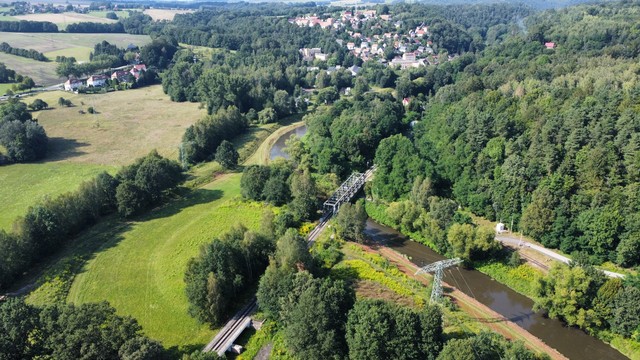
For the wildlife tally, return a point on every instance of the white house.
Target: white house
(97, 80)
(72, 84)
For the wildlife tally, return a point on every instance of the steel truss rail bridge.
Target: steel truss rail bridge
(345, 193)
(242, 320)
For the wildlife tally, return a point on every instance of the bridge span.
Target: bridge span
(223, 341)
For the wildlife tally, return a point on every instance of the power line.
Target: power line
(438, 269)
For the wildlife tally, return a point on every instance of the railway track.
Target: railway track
(230, 332)
(241, 320)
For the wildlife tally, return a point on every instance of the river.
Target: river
(571, 342)
(277, 150)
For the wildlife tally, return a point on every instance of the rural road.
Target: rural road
(509, 239)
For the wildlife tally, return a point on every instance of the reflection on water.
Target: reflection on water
(278, 148)
(572, 343)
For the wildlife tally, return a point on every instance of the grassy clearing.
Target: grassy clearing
(4, 87)
(128, 124)
(139, 266)
(43, 73)
(165, 14)
(140, 269)
(48, 42)
(25, 184)
(131, 124)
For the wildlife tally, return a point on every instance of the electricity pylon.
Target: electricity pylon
(438, 269)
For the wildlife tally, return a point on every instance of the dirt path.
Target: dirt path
(491, 319)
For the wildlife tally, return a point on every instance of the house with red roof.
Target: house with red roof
(136, 70)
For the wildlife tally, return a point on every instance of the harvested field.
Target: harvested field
(165, 14)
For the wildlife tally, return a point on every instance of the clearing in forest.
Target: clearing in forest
(128, 125)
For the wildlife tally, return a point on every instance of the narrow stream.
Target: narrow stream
(277, 150)
(572, 343)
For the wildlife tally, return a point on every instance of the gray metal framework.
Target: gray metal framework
(438, 269)
(344, 193)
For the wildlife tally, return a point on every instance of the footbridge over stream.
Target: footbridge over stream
(224, 340)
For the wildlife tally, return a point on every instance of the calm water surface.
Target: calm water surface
(278, 148)
(571, 342)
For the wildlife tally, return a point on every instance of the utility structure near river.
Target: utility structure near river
(438, 269)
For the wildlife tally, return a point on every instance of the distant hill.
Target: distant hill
(539, 4)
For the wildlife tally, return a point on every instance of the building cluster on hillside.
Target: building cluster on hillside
(346, 18)
(100, 80)
(413, 48)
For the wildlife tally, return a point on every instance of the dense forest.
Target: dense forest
(90, 331)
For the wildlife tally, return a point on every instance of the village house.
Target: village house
(550, 45)
(97, 80)
(308, 54)
(73, 84)
(137, 70)
(121, 76)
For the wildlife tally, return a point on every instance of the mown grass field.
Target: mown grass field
(140, 270)
(43, 73)
(131, 123)
(25, 184)
(4, 87)
(127, 125)
(53, 43)
(64, 19)
(165, 14)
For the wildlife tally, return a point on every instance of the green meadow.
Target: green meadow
(140, 268)
(24, 185)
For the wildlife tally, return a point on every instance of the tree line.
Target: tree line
(49, 224)
(28, 26)
(30, 54)
(97, 28)
(279, 184)
(67, 331)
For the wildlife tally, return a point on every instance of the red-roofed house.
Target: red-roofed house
(137, 70)
(550, 45)
(406, 101)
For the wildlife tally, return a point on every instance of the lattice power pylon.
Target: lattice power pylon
(438, 269)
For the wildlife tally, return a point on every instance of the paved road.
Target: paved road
(509, 239)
